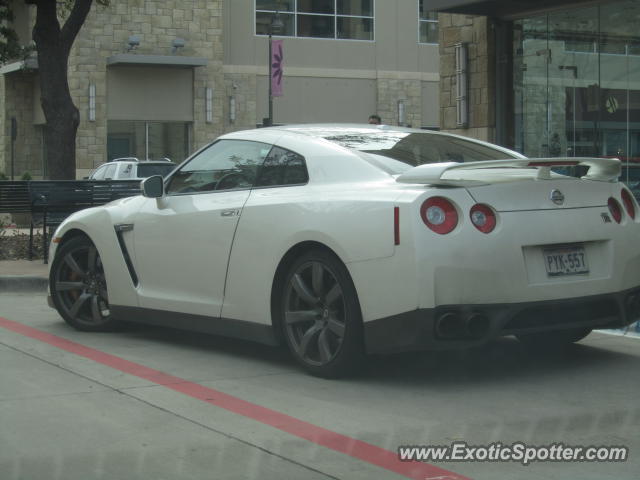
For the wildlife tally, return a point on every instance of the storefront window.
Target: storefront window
(148, 140)
(577, 83)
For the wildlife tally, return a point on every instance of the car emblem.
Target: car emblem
(556, 197)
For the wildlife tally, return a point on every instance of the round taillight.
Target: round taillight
(615, 209)
(439, 215)
(628, 202)
(483, 218)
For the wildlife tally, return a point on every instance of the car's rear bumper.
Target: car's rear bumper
(456, 326)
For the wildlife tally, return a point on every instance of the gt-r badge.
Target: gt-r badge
(605, 217)
(557, 197)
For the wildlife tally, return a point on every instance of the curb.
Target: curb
(23, 283)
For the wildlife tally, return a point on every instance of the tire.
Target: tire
(320, 316)
(554, 339)
(78, 286)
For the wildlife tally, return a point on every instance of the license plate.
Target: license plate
(565, 260)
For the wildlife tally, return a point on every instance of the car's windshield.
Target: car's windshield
(154, 169)
(397, 151)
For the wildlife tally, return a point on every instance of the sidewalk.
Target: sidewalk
(23, 275)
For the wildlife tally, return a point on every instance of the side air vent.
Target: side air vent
(120, 230)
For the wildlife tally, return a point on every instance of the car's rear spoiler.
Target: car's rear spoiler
(600, 170)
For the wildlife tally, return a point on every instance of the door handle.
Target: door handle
(230, 213)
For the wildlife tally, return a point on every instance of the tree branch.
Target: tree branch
(75, 21)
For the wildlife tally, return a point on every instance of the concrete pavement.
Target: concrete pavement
(70, 410)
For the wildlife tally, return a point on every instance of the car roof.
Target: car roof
(321, 130)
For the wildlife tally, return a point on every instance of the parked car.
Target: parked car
(342, 240)
(130, 168)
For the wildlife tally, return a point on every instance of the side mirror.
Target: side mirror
(153, 187)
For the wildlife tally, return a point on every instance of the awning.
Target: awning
(159, 60)
(502, 8)
(30, 64)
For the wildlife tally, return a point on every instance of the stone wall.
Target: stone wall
(18, 102)
(157, 23)
(393, 90)
(199, 22)
(477, 33)
(243, 88)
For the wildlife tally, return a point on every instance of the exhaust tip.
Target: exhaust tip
(449, 325)
(477, 325)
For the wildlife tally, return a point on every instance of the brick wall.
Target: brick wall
(477, 33)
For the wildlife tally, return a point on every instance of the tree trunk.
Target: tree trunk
(53, 45)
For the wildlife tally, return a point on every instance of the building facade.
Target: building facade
(161, 78)
(546, 78)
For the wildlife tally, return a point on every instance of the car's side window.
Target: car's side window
(224, 165)
(99, 173)
(282, 167)
(110, 171)
(127, 171)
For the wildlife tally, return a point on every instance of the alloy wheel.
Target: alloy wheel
(78, 285)
(315, 313)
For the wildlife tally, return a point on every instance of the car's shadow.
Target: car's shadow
(501, 359)
(498, 360)
(204, 342)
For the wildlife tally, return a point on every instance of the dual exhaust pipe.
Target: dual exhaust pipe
(458, 326)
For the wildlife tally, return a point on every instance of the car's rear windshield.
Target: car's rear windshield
(145, 171)
(397, 151)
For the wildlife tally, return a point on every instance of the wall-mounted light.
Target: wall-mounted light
(92, 103)
(401, 113)
(462, 101)
(133, 42)
(177, 44)
(232, 109)
(208, 104)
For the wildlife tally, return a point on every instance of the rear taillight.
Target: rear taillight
(628, 202)
(439, 215)
(483, 218)
(615, 209)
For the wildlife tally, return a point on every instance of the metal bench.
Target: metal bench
(49, 202)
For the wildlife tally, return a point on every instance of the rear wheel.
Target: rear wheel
(557, 338)
(78, 286)
(320, 315)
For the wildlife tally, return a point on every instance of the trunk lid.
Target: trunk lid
(542, 194)
(524, 184)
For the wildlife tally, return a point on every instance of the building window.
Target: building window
(147, 140)
(337, 19)
(428, 24)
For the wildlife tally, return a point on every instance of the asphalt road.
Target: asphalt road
(150, 403)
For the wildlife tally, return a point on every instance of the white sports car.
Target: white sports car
(342, 240)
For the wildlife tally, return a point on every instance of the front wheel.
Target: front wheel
(78, 286)
(554, 339)
(320, 315)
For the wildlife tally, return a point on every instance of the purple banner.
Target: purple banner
(277, 60)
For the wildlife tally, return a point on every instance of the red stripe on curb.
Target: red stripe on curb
(341, 443)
